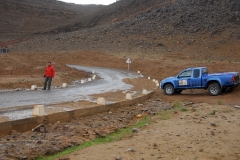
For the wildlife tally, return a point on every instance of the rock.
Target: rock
(52, 150)
(100, 134)
(40, 128)
(55, 149)
(105, 118)
(91, 132)
(152, 112)
(22, 157)
(135, 130)
(187, 103)
(155, 145)
(130, 150)
(213, 124)
(212, 132)
(193, 110)
(66, 127)
(213, 112)
(121, 125)
(144, 110)
(119, 119)
(237, 106)
(118, 158)
(18, 89)
(223, 117)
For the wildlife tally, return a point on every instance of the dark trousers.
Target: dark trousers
(47, 82)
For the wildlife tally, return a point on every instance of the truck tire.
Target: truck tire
(214, 89)
(169, 89)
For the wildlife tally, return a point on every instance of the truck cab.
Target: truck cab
(190, 78)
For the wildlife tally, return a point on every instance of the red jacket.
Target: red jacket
(49, 71)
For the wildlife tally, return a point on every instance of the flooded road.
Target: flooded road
(111, 80)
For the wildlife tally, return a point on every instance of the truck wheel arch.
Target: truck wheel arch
(168, 83)
(211, 82)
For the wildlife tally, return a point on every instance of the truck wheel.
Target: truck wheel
(168, 89)
(214, 89)
(178, 91)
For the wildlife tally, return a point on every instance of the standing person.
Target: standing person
(49, 74)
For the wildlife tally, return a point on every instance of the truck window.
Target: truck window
(204, 71)
(187, 73)
(196, 73)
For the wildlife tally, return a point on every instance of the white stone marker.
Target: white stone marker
(64, 85)
(129, 96)
(101, 100)
(34, 87)
(38, 110)
(144, 92)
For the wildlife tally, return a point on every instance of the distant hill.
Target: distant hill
(26, 18)
(193, 27)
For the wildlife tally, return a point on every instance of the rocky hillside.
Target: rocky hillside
(27, 18)
(202, 29)
(125, 9)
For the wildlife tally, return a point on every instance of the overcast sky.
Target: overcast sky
(104, 2)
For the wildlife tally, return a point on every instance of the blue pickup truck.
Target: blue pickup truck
(199, 78)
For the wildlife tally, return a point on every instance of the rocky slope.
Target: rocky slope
(202, 29)
(27, 18)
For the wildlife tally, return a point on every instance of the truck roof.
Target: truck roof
(195, 68)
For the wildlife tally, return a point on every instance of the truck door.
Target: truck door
(183, 79)
(196, 81)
